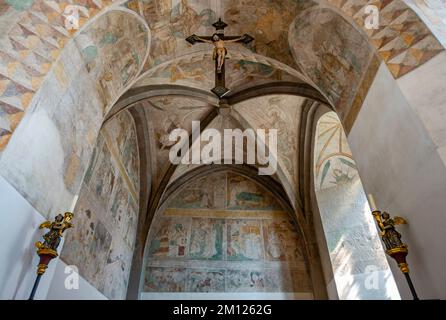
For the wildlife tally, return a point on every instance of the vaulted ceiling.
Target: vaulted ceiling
(304, 53)
(293, 65)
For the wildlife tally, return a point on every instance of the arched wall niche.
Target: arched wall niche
(336, 56)
(43, 165)
(65, 116)
(356, 260)
(102, 242)
(300, 215)
(160, 102)
(238, 256)
(34, 37)
(400, 72)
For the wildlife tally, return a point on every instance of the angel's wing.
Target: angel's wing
(399, 220)
(46, 224)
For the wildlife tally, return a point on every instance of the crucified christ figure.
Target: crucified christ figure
(218, 40)
(220, 51)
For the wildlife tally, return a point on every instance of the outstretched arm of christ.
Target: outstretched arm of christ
(204, 40)
(245, 39)
(238, 39)
(193, 39)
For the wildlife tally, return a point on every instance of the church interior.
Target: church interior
(351, 91)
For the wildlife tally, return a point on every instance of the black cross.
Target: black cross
(220, 86)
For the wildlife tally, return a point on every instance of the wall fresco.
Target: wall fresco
(114, 50)
(171, 239)
(244, 240)
(165, 280)
(206, 281)
(164, 114)
(434, 14)
(102, 242)
(67, 113)
(34, 35)
(246, 281)
(243, 194)
(195, 196)
(219, 248)
(125, 140)
(197, 71)
(334, 164)
(350, 231)
(282, 113)
(281, 241)
(172, 22)
(206, 240)
(403, 40)
(336, 60)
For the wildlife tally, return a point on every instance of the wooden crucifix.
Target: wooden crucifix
(218, 40)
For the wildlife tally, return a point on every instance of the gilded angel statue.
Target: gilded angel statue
(389, 235)
(56, 229)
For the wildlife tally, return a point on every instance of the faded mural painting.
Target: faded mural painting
(349, 229)
(280, 112)
(225, 233)
(34, 36)
(173, 21)
(112, 55)
(102, 242)
(334, 164)
(68, 110)
(197, 71)
(337, 60)
(403, 41)
(163, 115)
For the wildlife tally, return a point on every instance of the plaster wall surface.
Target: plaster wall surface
(425, 91)
(19, 223)
(83, 291)
(359, 264)
(399, 164)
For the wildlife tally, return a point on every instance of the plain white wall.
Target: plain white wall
(399, 164)
(19, 223)
(58, 291)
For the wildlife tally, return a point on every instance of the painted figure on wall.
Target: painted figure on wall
(206, 239)
(337, 60)
(244, 240)
(334, 165)
(207, 281)
(171, 239)
(244, 194)
(165, 280)
(251, 248)
(281, 242)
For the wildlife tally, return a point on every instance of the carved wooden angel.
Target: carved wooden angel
(391, 237)
(56, 229)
